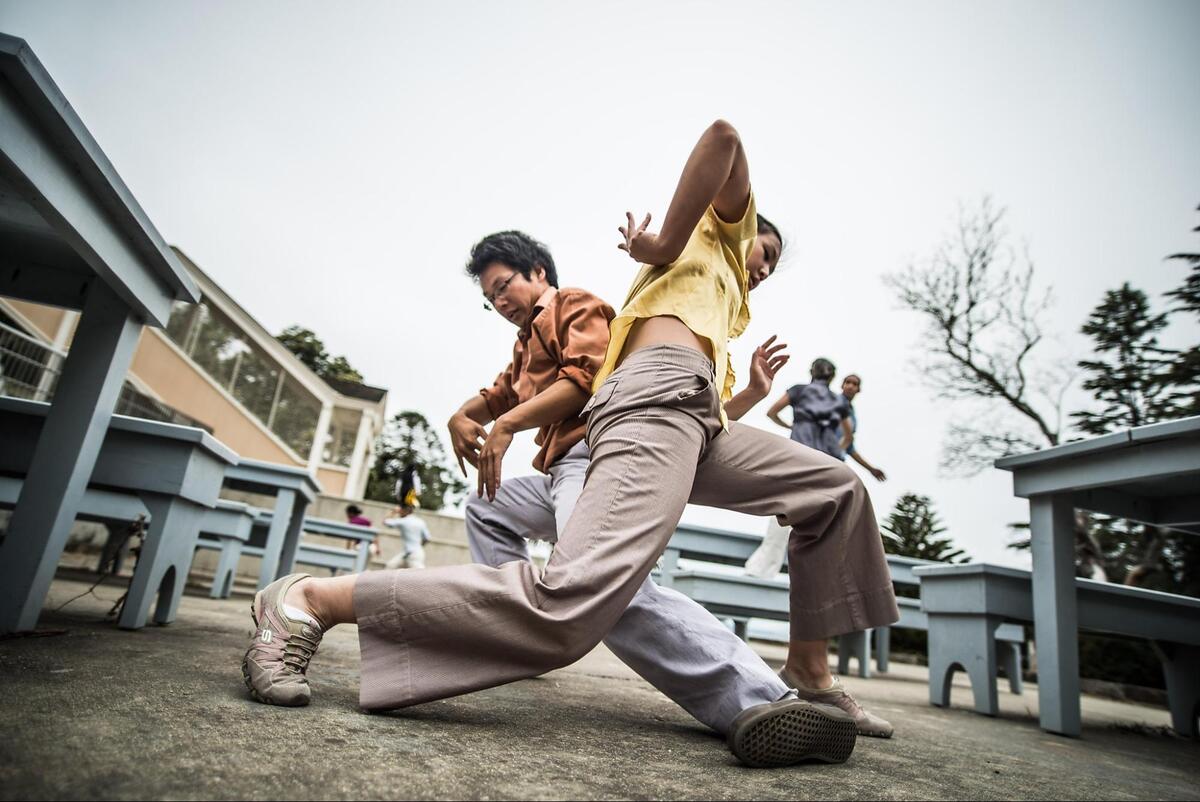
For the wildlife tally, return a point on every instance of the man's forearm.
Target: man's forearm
(562, 400)
(476, 409)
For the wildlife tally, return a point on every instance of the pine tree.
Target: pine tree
(408, 439)
(1184, 378)
(917, 529)
(1130, 372)
(1138, 382)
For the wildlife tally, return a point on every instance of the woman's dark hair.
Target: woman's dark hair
(765, 226)
(516, 249)
(822, 369)
(353, 510)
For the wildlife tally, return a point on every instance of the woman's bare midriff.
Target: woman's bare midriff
(663, 330)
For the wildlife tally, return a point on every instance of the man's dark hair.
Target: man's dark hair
(353, 510)
(822, 369)
(765, 226)
(516, 249)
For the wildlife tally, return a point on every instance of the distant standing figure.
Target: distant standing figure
(354, 515)
(820, 417)
(851, 387)
(415, 534)
(822, 420)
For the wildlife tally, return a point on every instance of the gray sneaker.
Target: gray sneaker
(275, 664)
(837, 696)
(791, 731)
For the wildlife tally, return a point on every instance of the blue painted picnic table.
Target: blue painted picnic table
(176, 472)
(294, 489)
(1149, 474)
(71, 235)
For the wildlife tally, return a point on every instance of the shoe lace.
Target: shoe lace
(298, 650)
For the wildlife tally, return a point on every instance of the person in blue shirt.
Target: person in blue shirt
(851, 387)
(820, 417)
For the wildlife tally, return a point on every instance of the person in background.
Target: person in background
(354, 515)
(415, 533)
(820, 417)
(851, 387)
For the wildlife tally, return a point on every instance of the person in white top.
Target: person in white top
(415, 534)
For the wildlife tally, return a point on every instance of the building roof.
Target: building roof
(272, 345)
(357, 390)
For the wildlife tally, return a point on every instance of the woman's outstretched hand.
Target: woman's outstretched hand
(642, 245)
(768, 359)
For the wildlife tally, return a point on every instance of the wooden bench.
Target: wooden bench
(736, 596)
(335, 558)
(176, 473)
(225, 529)
(741, 598)
(966, 603)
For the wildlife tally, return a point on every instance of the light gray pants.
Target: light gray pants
(656, 442)
(671, 641)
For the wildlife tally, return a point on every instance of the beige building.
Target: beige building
(215, 364)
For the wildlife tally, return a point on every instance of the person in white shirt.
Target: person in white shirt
(415, 534)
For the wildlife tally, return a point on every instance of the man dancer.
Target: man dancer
(673, 642)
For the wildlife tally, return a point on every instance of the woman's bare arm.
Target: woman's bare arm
(776, 408)
(716, 174)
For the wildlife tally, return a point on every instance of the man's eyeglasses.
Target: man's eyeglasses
(489, 301)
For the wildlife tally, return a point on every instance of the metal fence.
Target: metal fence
(30, 369)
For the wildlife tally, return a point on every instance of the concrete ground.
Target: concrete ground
(97, 713)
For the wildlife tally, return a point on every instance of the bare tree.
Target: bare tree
(984, 318)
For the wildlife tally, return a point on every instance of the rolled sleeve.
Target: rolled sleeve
(500, 397)
(582, 333)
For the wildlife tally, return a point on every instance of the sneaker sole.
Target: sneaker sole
(790, 733)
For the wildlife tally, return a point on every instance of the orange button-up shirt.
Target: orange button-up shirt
(565, 338)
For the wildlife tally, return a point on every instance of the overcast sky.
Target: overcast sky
(331, 165)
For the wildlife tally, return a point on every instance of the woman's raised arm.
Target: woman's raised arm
(716, 173)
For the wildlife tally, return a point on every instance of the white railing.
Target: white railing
(28, 368)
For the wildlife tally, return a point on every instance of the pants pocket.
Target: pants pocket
(600, 398)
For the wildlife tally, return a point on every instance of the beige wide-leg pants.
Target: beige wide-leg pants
(656, 442)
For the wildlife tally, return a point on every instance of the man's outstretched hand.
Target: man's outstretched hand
(466, 438)
(491, 456)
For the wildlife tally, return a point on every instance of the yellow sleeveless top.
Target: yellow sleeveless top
(706, 288)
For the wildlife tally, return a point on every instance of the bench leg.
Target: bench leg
(670, 564)
(361, 558)
(1181, 669)
(739, 627)
(111, 552)
(163, 563)
(65, 455)
(1055, 613)
(883, 648)
(969, 643)
(1010, 654)
(277, 533)
(858, 645)
(231, 552)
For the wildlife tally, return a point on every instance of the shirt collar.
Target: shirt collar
(544, 300)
